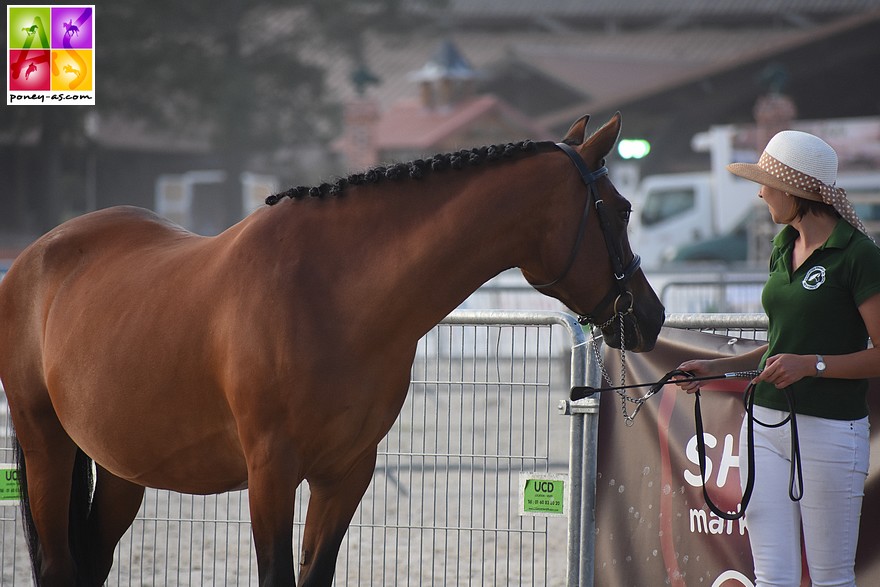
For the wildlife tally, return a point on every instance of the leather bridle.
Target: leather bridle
(620, 295)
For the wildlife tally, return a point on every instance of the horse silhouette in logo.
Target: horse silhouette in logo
(71, 69)
(70, 29)
(814, 278)
(31, 69)
(31, 30)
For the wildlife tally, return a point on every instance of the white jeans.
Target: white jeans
(834, 455)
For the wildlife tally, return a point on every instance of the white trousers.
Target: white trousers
(834, 456)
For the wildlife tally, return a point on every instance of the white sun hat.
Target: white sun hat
(802, 165)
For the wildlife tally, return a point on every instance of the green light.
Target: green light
(633, 148)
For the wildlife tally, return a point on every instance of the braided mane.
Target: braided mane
(416, 169)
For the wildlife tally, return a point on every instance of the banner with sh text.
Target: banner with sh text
(652, 523)
(50, 55)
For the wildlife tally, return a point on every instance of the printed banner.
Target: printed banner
(653, 526)
(50, 55)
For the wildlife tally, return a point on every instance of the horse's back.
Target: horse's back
(53, 261)
(72, 243)
(100, 235)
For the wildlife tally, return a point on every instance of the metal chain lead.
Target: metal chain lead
(628, 418)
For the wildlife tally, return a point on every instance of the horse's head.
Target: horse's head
(586, 260)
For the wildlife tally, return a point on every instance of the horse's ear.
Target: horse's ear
(577, 132)
(603, 139)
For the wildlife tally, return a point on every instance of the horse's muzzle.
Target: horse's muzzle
(639, 331)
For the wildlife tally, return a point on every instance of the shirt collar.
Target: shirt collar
(839, 238)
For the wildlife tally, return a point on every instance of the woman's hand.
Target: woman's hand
(697, 368)
(784, 370)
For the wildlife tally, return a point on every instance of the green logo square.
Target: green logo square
(29, 27)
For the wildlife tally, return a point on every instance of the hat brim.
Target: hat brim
(755, 173)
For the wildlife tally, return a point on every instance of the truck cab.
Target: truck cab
(674, 210)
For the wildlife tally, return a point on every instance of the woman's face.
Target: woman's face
(782, 206)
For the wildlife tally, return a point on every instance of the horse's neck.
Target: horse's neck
(420, 248)
(457, 234)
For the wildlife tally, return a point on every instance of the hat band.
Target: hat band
(831, 195)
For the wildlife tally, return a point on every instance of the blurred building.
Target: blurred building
(672, 69)
(446, 114)
(497, 70)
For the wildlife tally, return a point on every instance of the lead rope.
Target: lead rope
(796, 475)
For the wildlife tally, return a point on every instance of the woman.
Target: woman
(822, 299)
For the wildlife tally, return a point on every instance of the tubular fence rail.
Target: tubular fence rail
(714, 295)
(696, 290)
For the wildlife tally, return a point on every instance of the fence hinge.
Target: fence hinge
(568, 407)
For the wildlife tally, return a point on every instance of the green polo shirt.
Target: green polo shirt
(815, 310)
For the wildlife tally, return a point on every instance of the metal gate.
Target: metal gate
(443, 507)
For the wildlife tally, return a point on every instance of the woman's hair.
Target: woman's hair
(805, 206)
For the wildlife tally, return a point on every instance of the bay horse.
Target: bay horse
(281, 349)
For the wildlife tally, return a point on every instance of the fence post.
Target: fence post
(582, 468)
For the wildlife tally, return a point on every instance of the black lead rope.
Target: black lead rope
(796, 475)
(796, 478)
(749, 401)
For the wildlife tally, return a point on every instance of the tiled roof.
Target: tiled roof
(409, 125)
(653, 8)
(585, 62)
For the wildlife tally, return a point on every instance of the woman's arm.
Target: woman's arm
(707, 367)
(784, 369)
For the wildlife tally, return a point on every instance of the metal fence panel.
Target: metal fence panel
(715, 296)
(443, 505)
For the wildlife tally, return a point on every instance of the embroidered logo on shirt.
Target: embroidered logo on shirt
(814, 278)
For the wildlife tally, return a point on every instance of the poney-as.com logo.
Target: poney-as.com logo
(50, 55)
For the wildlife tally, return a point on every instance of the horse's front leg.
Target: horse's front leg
(271, 494)
(331, 506)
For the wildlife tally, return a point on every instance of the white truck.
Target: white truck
(676, 209)
(705, 215)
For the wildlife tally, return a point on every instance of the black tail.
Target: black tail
(27, 518)
(81, 486)
(82, 483)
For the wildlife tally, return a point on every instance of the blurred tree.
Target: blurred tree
(236, 71)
